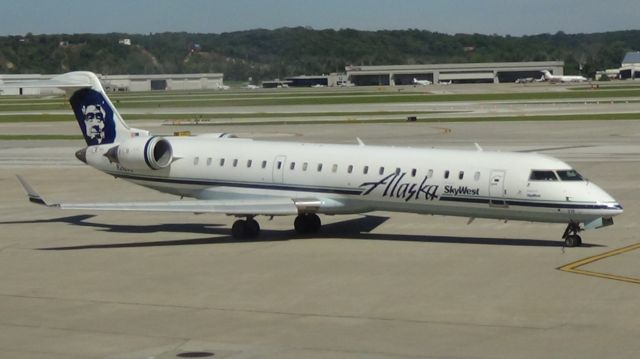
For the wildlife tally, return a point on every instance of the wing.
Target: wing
(269, 207)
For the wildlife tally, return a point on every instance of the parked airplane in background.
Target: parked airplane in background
(252, 87)
(246, 178)
(421, 82)
(222, 87)
(557, 78)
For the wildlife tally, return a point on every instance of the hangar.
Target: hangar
(630, 68)
(489, 72)
(202, 81)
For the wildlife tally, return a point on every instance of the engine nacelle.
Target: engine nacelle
(142, 153)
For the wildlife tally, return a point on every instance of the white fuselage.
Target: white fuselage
(335, 179)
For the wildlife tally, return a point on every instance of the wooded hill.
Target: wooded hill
(268, 54)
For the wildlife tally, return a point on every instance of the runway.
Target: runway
(385, 285)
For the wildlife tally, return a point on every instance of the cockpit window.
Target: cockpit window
(569, 175)
(543, 176)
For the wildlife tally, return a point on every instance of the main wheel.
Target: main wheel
(252, 228)
(300, 224)
(314, 222)
(307, 223)
(239, 229)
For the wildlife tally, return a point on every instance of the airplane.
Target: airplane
(421, 82)
(222, 87)
(252, 87)
(247, 178)
(556, 78)
(444, 82)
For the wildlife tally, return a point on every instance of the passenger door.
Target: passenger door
(496, 188)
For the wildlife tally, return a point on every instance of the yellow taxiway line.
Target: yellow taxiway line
(575, 266)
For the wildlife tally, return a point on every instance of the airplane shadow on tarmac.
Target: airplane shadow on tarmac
(358, 229)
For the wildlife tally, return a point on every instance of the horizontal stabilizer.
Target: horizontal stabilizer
(32, 194)
(74, 80)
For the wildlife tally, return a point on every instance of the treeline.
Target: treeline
(268, 54)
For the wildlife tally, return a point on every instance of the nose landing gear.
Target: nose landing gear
(570, 236)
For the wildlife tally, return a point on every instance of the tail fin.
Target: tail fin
(98, 119)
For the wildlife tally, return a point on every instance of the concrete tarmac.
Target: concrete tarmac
(385, 285)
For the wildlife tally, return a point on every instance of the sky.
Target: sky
(503, 17)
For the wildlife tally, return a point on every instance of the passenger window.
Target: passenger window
(196, 160)
(209, 161)
(304, 166)
(334, 168)
(350, 169)
(279, 164)
(221, 162)
(398, 171)
(446, 174)
(543, 176)
(430, 174)
(249, 163)
(264, 164)
(292, 166)
(381, 171)
(476, 176)
(319, 167)
(235, 162)
(365, 170)
(461, 175)
(413, 172)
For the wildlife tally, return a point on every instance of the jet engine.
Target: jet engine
(142, 153)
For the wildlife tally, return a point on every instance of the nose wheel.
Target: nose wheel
(571, 237)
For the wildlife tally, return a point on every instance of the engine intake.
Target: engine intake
(142, 153)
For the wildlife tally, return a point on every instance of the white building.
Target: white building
(204, 81)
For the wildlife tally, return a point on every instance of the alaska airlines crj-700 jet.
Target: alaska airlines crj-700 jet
(247, 178)
(546, 75)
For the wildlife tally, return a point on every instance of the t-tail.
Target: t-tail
(98, 119)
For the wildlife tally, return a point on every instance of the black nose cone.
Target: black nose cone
(82, 155)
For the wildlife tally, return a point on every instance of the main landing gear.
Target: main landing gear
(307, 223)
(249, 228)
(245, 229)
(570, 236)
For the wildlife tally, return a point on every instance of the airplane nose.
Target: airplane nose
(82, 155)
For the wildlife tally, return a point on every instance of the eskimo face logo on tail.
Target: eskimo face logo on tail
(94, 115)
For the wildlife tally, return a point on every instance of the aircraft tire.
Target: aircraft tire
(253, 228)
(307, 223)
(573, 240)
(239, 230)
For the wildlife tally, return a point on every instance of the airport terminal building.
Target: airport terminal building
(490, 72)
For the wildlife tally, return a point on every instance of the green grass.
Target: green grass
(399, 121)
(208, 116)
(589, 117)
(369, 98)
(39, 137)
(605, 87)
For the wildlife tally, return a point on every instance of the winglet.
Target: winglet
(360, 143)
(478, 147)
(33, 195)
